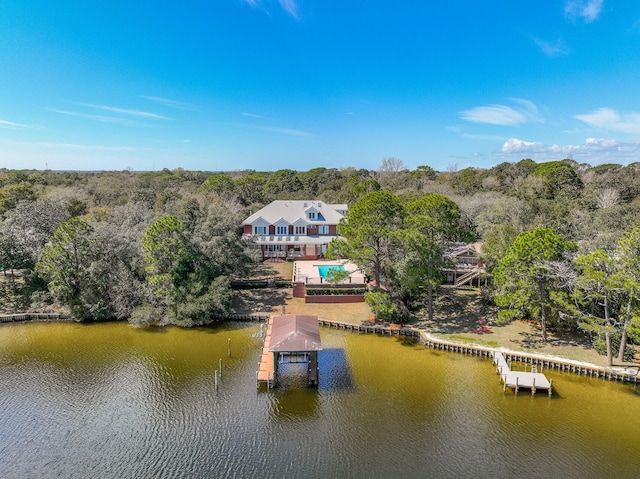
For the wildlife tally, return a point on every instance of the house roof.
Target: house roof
(465, 249)
(294, 210)
(294, 333)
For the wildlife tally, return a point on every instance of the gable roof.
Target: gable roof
(294, 333)
(293, 210)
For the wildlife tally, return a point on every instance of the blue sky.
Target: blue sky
(270, 84)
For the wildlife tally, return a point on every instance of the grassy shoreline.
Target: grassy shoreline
(459, 316)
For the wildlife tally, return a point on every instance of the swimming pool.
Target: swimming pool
(324, 269)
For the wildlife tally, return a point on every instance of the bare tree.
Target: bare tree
(608, 197)
(390, 170)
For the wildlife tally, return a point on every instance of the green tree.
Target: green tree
(251, 188)
(425, 172)
(380, 303)
(68, 265)
(432, 223)
(283, 181)
(628, 254)
(181, 277)
(524, 279)
(421, 265)
(596, 287)
(560, 180)
(10, 195)
(219, 182)
(369, 232)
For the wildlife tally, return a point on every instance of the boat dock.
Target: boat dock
(266, 369)
(515, 380)
(290, 339)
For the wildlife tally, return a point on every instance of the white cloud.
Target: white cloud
(609, 119)
(71, 146)
(287, 131)
(254, 115)
(124, 111)
(589, 10)
(503, 115)
(102, 118)
(552, 49)
(494, 115)
(11, 124)
(76, 146)
(290, 6)
(593, 150)
(279, 130)
(514, 145)
(171, 103)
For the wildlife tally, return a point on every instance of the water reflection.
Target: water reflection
(111, 401)
(336, 374)
(295, 402)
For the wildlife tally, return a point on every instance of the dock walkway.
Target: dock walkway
(630, 374)
(520, 379)
(266, 369)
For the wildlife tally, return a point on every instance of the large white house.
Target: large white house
(294, 228)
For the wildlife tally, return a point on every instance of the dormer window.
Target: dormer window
(259, 230)
(312, 215)
(281, 230)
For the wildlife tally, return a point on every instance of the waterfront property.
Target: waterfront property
(290, 339)
(288, 229)
(466, 264)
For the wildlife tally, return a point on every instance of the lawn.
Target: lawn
(273, 300)
(459, 315)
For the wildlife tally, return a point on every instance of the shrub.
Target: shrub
(334, 291)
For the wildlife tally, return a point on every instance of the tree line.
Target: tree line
(164, 244)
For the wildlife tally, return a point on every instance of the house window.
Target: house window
(259, 230)
(300, 230)
(312, 215)
(324, 230)
(281, 230)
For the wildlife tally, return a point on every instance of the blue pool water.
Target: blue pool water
(323, 270)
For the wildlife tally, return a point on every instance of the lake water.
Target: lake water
(110, 401)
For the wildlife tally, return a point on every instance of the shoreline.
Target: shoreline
(553, 362)
(427, 339)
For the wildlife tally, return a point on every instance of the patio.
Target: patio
(308, 272)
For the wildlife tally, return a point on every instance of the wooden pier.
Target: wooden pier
(630, 375)
(15, 318)
(267, 367)
(516, 380)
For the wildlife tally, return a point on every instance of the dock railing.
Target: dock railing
(631, 375)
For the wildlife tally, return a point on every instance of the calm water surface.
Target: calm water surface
(110, 401)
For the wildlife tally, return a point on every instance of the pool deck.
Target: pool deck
(307, 272)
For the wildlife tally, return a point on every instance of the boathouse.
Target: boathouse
(290, 339)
